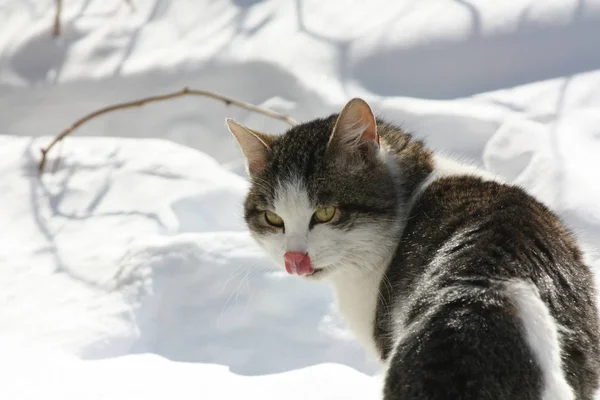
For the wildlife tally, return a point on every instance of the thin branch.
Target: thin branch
(141, 102)
(56, 29)
(131, 5)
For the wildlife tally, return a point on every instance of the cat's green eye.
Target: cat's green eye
(273, 219)
(325, 214)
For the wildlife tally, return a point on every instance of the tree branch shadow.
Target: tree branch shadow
(42, 198)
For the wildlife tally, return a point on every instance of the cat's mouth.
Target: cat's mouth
(300, 264)
(317, 273)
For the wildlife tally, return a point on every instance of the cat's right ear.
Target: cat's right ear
(255, 145)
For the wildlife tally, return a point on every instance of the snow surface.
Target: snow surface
(128, 273)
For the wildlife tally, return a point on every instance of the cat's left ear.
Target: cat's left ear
(255, 145)
(355, 128)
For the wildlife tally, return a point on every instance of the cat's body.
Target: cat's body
(465, 287)
(492, 297)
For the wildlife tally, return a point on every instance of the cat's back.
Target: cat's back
(468, 232)
(493, 230)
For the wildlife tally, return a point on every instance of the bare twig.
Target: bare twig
(58, 11)
(56, 29)
(131, 5)
(141, 102)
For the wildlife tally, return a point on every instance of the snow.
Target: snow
(55, 375)
(128, 272)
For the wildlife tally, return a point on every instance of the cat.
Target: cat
(463, 286)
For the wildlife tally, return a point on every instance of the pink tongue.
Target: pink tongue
(297, 263)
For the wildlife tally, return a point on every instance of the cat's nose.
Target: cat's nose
(297, 263)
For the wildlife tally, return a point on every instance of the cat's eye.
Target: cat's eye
(273, 219)
(325, 214)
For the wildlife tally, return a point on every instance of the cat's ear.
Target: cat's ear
(255, 145)
(355, 128)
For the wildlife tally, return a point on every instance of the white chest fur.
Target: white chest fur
(357, 296)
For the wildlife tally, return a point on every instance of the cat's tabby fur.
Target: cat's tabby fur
(463, 286)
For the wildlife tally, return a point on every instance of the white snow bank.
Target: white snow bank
(101, 245)
(43, 374)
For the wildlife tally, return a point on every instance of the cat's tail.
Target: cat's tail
(542, 335)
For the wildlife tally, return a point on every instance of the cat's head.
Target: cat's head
(323, 196)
